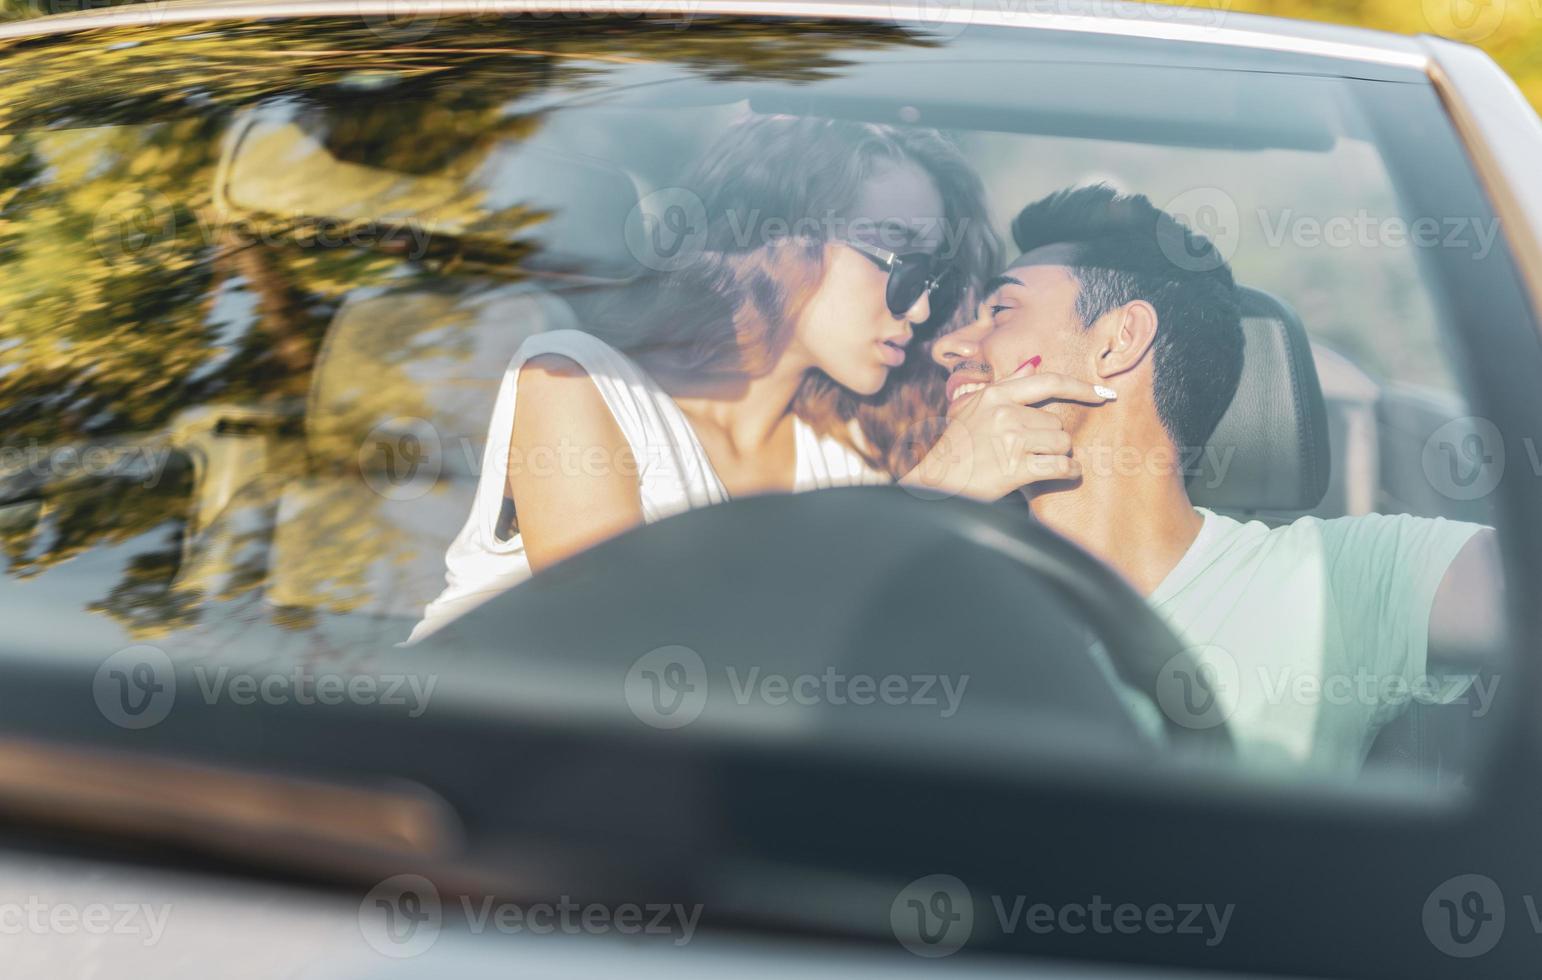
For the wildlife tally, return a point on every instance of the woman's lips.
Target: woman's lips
(891, 354)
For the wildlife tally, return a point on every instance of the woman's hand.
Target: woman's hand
(998, 439)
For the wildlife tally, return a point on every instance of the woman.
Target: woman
(785, 357)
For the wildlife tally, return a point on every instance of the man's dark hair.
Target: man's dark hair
(1123, 248)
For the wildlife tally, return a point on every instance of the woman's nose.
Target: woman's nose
(962, 344)
(921, 311)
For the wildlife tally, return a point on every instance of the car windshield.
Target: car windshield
(273, 292)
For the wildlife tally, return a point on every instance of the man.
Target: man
(1093, 343)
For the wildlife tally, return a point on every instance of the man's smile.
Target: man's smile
(969, 376)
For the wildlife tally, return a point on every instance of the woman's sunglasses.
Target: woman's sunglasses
(911, 276)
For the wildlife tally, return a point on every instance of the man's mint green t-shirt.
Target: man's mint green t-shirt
(1314, 634)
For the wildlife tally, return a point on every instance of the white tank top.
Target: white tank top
(674, 473)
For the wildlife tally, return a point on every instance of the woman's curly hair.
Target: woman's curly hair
(771, 187)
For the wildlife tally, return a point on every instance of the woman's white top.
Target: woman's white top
(674, 473)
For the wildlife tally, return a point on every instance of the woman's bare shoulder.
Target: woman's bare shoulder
(556, 396)
(544, 366)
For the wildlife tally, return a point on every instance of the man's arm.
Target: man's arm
(1467, 618)
(1389, 574)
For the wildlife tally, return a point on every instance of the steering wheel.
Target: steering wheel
(1149, 657)
(873, 581)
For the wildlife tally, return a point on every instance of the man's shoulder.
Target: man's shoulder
(1255, 528)
(1235, 545)
(1231, 532)
(1331, 536)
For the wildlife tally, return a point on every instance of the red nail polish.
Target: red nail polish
(1035, 360)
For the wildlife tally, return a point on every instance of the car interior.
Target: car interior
(311, 526)
(339, 510)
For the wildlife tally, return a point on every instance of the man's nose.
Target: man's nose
(962, 344)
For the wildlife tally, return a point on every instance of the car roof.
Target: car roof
(1203, 21)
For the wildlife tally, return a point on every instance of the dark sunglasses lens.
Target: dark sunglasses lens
(907, 281)
(946, 296)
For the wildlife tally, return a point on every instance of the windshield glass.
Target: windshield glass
(325, 347)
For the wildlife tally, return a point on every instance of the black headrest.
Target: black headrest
(1270, 450)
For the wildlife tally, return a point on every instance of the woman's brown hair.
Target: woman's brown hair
(773, 190)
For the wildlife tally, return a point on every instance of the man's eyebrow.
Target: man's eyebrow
(999, 281)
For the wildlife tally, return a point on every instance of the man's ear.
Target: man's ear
(1125, 338)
